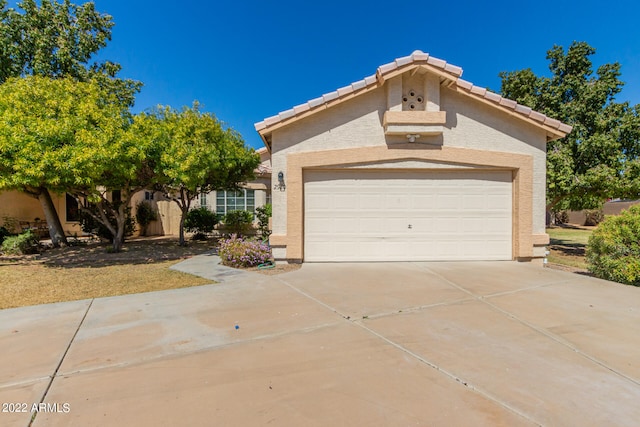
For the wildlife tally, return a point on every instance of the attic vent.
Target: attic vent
(412, 101)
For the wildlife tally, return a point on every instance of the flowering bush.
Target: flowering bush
(238, 252)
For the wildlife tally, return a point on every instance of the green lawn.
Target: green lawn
(568, 246)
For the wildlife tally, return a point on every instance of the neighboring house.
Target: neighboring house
(19, 208)
(410, 164)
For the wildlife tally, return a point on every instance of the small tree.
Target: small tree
(70, 136)
(198, 155)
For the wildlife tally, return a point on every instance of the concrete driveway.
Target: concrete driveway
(486, 343)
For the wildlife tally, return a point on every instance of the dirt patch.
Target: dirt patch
(569, 268)
(278, 269)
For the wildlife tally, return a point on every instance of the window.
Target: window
(72, 211)
(148, 195)
(235, 200)
(203, 200)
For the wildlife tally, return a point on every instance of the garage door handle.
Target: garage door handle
(409, 227)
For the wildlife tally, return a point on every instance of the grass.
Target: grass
(89, 272)
(567, 246)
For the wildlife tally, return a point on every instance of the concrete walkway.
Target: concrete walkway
(495, 343)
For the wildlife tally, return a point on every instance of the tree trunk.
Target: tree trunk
(53, 220)
(182, 218)
(121, 221)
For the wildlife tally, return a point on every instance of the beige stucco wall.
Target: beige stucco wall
(19, 206)
(357, 123)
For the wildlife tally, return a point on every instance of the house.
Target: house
(17, 208)
(410, 164)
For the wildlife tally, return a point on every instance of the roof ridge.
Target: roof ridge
(416, 57)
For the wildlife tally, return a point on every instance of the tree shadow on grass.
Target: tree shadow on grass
(95, 255)
(568, 247)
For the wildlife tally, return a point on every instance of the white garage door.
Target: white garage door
(407, 216)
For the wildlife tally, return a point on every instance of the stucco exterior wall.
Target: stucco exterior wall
(472, 124)
(358, 122)
(17, 206)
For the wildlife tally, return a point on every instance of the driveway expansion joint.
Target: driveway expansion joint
(450, 375)
(64, 355)
(553, 337)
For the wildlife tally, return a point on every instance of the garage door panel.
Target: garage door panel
(407, 216)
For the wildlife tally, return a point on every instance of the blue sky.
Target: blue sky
(248, 60)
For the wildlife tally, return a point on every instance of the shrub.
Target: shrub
(264, 213)
(238, 222)
(613, 250)
(4, 233)
(25, 243)
(200, 221)
(238, 252)
(145, 213)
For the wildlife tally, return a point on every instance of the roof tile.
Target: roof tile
(523, 109)
(301, 108)
(492, 96)
(330, 96)
(552, 122)
(537, 116)
(436, 62)
(387, 67)
(360, 84)
(453, 69)
(464, 84)
(565, 128)
(370, 80)
(286, 114)
(508, 103)
(345, 90)
(315, 102)
(404, 60)
(419, 55)
(478, 90)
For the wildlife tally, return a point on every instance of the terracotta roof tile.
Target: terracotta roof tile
(330, 96)
(565, 128)
(508, 103)
(387, 67)
(370, 80)
(315, 102)
(417, 56)
(478, 90)
(453, 69)
(404, 61)
(301, 108)
(464, 84)
(436, 62)
(345, 90)
(523, 109)
(359, 85)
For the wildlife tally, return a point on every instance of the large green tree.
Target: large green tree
(56, 40)
(599, 158)
(70, 136)
(198, 154)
